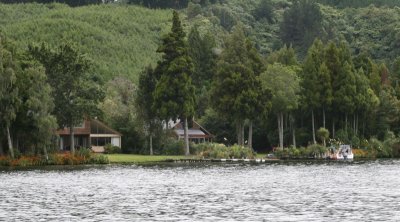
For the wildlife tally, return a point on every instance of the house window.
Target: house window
(101, 141)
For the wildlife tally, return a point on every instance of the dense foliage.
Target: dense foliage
(292, 72)
(120, 40)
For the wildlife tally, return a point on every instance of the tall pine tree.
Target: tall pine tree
(174, 94)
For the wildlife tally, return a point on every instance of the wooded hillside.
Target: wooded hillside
(120, 40)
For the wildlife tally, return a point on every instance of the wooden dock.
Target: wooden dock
(224, 160)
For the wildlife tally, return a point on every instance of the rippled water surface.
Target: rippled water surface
(327, 191)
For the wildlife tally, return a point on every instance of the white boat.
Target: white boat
(343, 153)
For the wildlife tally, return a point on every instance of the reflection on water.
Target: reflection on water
(307, 191)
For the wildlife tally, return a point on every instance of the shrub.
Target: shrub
(312, 151)
(98, 159)
(5, 161)
(82, 156)
(355, 141)
(174, 147)
(200, 147)
(111, 149)
(220, 151)
(378, 149)
(84, 153)
(316, 150)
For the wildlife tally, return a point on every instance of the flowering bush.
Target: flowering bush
(81, 157)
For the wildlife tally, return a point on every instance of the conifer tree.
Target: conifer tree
(235, 90)
(144, 101)
(174, 95)
(201, 50)
(311, 96)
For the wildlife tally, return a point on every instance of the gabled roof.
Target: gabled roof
(101, 124)
(86, 128)
(195, 131)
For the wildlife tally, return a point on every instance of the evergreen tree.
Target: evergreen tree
(345, 93)
(311, 97)
(235, 90)
(201, 50)
(174, 95)
(144, 100)
(285, 56)
(387, 113)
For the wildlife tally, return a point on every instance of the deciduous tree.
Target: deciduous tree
(76, 93)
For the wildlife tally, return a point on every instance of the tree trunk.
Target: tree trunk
(354, 124)
(187, 151)
(151, 143)
(282, 130)
(345, 123)
(239, 140)
(250, 134)
(10, 147)
(357, 124)
(313, 127)
(294, 136)
(333, 128)
(323, 117)
(72, 138)
(363, 127)
(242, 132)
(279, 129)
(45, 152)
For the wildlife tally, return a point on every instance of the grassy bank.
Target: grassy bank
(133, 158)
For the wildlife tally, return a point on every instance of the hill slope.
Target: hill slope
(121, 40)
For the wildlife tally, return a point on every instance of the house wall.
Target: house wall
(116, 141)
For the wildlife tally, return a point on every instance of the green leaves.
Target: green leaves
(75, 93)
(284, 83)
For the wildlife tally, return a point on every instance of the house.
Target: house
(92, 134)
(196, 133)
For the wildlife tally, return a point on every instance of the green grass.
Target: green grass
(261, 155)
(133, 158)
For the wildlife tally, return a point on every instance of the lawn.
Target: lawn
(133, 158)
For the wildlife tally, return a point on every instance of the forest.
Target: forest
(257, 73)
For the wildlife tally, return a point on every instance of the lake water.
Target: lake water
(306, 191)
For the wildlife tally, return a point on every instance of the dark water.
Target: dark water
(327, 191)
